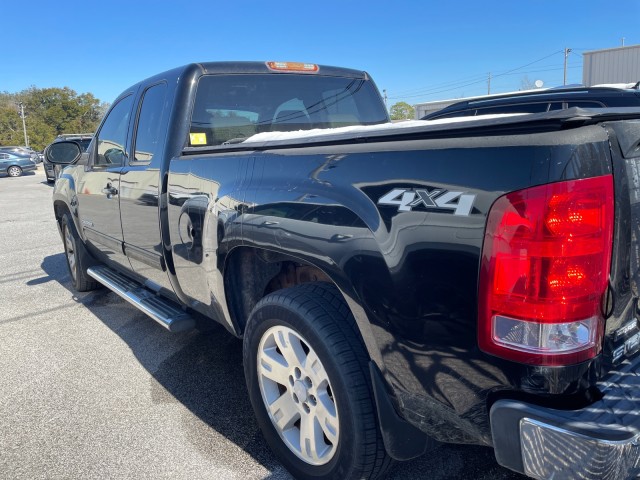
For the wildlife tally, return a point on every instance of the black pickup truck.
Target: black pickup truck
(471, 281)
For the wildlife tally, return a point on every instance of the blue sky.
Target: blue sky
(416, 50)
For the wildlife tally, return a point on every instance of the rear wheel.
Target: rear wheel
(308, 380)
(78, 259)
(14, 171)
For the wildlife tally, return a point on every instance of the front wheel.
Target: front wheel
(78, 259)
(309, 385)
(14, 171)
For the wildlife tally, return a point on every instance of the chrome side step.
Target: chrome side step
(163, 311)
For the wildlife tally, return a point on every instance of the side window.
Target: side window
(113, 135)
(516, 108)
(3, 156)
(456, 114)
(148, 133)
(584, 104)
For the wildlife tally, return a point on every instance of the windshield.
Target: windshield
(231, 108)
(84, 144)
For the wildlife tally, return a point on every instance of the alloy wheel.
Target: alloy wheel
(297, 394)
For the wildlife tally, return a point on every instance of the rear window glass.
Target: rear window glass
(231, 108)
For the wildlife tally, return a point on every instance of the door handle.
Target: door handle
(110, 190)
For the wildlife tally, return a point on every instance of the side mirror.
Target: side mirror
(63, 153)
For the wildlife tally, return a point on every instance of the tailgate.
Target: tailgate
(622, 336)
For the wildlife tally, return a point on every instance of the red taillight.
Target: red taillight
(544, 272)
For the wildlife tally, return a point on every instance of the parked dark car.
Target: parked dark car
(541, 101)
(15, 165)
(53, 171)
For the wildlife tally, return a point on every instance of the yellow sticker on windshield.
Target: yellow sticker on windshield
(198, 138)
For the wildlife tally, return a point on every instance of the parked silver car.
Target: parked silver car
(15, 165)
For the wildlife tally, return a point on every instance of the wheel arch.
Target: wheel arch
(65, 201)
(59, 209)
(251, 273)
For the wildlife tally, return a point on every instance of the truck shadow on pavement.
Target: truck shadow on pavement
(203, 372)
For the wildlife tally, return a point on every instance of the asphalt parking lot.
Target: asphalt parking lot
(92, 388)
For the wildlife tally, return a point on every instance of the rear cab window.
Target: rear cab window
(151, 119)
(229, 109)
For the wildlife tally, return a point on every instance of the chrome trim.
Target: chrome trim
(148, 258)
(551, 452)
(104, 240)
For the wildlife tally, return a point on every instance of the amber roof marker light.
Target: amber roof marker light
(293, 67)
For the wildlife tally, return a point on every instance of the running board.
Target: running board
(165, 312)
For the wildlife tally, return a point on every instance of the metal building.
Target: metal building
(609, 66)
(425, 108)
(612, 65)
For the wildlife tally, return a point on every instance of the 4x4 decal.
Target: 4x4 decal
(406, 199)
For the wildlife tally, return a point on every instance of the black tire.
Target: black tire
(317, 314)
(78, 260)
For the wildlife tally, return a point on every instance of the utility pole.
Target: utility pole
(623, 41)
(384, 94)
(24, 125)
(489, 84)
(566, 55)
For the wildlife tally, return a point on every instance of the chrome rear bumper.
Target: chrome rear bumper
(600, 442)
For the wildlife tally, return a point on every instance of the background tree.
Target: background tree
(10, 126)
(402, 111)
(526, 84)
(48, 112)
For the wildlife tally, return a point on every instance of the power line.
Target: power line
(461, 83)
(483, 80)
(535, 61)
(436, 86)
(441, 91)
(555, 69)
